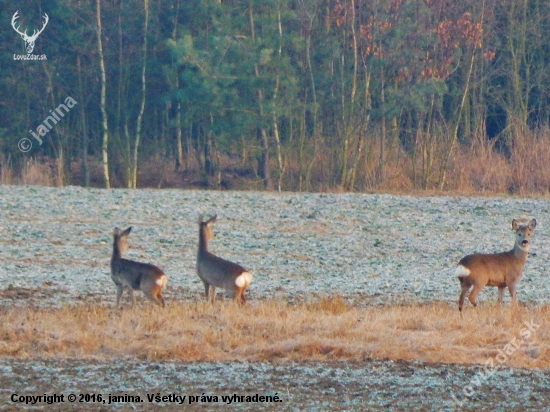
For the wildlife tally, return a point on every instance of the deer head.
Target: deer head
(29, 40)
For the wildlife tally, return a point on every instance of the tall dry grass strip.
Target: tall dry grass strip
(327, 329)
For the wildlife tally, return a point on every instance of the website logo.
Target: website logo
(29, 40)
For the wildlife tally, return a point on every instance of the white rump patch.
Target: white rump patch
(462, 271)
(243, 279)
(162, 281)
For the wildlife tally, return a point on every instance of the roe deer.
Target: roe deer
(217, 272)
(134, 275)
(496, 269)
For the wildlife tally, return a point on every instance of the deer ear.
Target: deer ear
(116, 231)
(210, 222)
(126, 232)
(515, 225)
(533, 224)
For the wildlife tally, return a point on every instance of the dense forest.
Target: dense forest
(304, 95)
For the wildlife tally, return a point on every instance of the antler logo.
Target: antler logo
(29, 40)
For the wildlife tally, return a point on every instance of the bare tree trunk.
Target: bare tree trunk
(275, 95)
(304, 178)
(454, 135)
(105, 145)
(58, 145)
(520, 73)
(264, 162)
(380, 175)
(128, 163)
(83, 128)
(143, 97)
(279, 154)
(121, 114)
(349, 123)
(208, 163)
(268, 184)
(180, 159)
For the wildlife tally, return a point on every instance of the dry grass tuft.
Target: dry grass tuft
(326, 329)
(335, 305)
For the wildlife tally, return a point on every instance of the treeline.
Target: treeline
(281, 94)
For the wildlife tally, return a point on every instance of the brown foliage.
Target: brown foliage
(326, 329)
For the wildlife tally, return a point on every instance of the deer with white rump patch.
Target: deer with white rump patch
(498, 269)
(217, 272)
(134, 275)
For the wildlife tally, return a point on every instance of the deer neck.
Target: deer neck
(116, 251)
(520, 252)
(203, 242)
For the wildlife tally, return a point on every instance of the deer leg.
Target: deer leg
(513, 294)
(238, 295)
(133, 296)
(465, 288)
(155, 294)
(206, 289)
(158, 299)
(119, 291)
(161, 299)
(475, 291)
(501, 293)
(212, 293)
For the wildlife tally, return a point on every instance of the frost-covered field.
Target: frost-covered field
(55, 246)
(310, 386)
(372, 249)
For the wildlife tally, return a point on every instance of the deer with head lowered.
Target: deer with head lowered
(498, 269)
(217, 272)
(134, 275)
